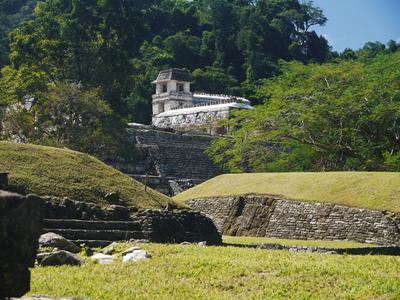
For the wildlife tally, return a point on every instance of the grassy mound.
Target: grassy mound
(371, 190)
(65, 173)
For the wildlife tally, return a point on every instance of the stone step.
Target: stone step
(173, 139)
(170, 154)
(91, 225)
(93, 243)
(108, 235)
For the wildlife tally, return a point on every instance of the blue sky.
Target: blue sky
(352, 23)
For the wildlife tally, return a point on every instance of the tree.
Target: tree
(83, 41)
(68, 115)
(320, 117)
(393, 46)
(348, 54)
(16, 85)
(184, 48)
(312, 16)
(214, 80)
(12, 14)
(317, 47)
(103, 44)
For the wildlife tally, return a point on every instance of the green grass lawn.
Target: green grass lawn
(65, 173)
(192, 272)
(250, 240)
(371, 190)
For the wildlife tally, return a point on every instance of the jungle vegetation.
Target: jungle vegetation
(74, 72)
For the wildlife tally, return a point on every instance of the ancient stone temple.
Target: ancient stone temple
(171, 161)
(184, 125)
(176, 107)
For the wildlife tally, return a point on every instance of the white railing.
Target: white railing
(210, 103)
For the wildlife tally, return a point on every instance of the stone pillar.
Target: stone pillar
(21, 220)
(171, 86)
(186, 87)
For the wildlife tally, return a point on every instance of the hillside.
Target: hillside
(371, 190)
(65, 173)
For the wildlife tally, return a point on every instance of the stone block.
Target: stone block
(21, 220)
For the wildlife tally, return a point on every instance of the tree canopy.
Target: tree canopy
(119, 46)
(319, 109)
(12, 14)
(335, 116)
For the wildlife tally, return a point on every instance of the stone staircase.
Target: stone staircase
(179, 161)
(95, 233)
(178, 155)
(170, 156)
(159, 226)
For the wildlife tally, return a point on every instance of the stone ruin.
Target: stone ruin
(20, 227)
(24, 218)
(92, 225)
(172, 161)
(271, 216)
(184, 125)
(175, 106)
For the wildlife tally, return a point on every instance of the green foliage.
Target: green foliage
(338, 116)
(227, 45)
(12, 14)
(17, 85)
(192, 272)
(372, 190)
(64, 173)
(117, 46)
(83, 41)
(214, 80)
(370, 50)
(67, 115)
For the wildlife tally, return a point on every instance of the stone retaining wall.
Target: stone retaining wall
(65, 208)
(374, 250)
(177, 226)
(77, 220)
(275, 217)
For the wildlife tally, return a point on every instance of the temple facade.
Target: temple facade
(175, 106)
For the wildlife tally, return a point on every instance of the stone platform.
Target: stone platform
(152, 225)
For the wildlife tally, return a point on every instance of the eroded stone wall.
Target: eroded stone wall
(275, 217)
(217, 209)
(190, 121)
(161, 226)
